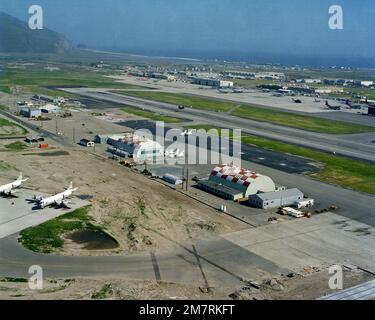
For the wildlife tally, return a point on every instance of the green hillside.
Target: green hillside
(17, 37)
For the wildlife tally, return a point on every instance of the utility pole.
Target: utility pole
(187, 178)
(56, 126)
(183, 177)
(74, 135)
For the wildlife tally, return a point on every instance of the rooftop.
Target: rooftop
(279, 194)
(220, 187)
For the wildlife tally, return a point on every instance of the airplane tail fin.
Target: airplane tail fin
(20, 177)
(70, 186)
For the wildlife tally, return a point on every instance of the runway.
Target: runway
(337, 144)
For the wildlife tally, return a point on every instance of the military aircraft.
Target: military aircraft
(59, 200)
(9, 189)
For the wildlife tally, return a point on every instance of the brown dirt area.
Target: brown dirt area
(134, 209)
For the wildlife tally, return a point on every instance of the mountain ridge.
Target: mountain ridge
(17, 37)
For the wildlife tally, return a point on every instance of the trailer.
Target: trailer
(306, 203)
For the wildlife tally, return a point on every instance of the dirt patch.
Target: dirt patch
(140, 213)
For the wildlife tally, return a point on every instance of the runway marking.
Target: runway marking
(155, 265)
(195, 252)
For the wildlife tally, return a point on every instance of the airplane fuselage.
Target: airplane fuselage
(8, 188)
(57, 199)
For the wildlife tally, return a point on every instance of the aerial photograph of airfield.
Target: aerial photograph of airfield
(82, 196)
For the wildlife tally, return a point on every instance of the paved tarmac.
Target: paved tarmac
(329, 143)
(19, 212)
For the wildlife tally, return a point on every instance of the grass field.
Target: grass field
(338, 170)
(150, 115)
(5, 89)
(37, 79)
(12, 128)
(288, 119)
(47, 237)
(307, 123)
(186, 100)
(16, 146)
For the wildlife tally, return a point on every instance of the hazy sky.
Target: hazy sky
(225, 27)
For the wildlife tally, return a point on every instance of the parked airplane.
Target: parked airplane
(175, 153)
(56, 200)
(187, 133)
(9, 188)
(225, 91)
(332, 107)
(297, 100)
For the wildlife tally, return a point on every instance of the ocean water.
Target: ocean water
(257, 58)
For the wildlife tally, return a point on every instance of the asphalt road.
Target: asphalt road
(328, 143)
(224, 264)
(36, 128)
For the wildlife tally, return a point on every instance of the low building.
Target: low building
(101, 138)
(137, 147)
(30, 112)
(163, 76)
(220, 190)
(276, 199)
(50, 108)
(270, 75)
(42, 98)
(313, 81)
(367, 83)
(213, 83)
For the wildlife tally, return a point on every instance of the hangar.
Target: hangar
(135, 146)
(245, 181)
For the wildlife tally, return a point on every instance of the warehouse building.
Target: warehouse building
(136, 147)
(277, 199)
(213, 83)
(242, 181)
(220, 190)
(50, 108)
(31, 112)
(103, 138)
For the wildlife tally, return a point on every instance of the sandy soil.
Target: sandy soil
(296, 288)
(134, 209)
